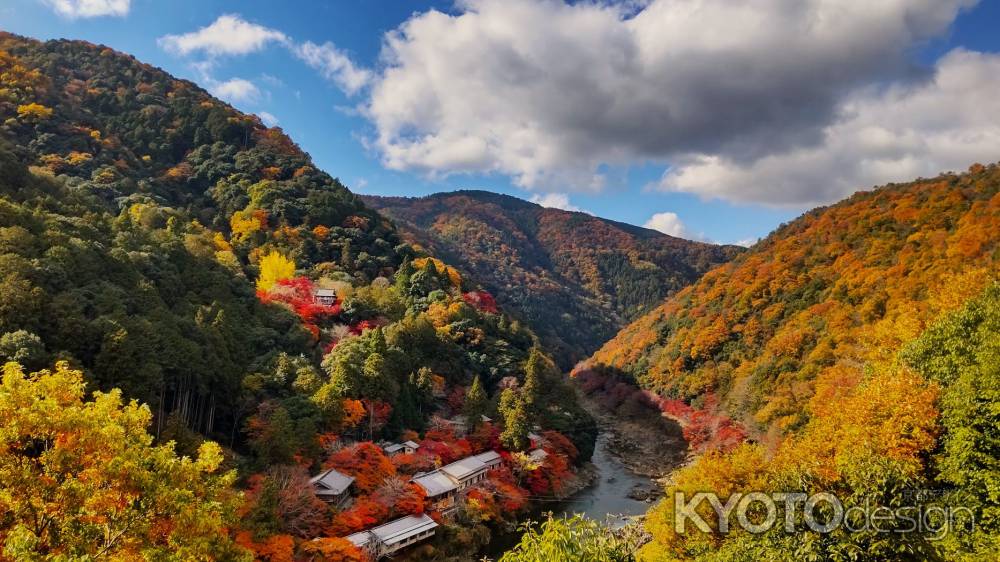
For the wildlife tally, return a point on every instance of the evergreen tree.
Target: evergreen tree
(475, 404)
(515, 420)
(405, 413)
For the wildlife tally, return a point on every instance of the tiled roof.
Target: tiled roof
(538, 455)
(488, 457)
(331, 481)
(403, 528)
(394, 531)
(435, 483)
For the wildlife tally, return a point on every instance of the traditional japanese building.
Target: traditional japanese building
(325, 297)
(394, 536)
(332, 486)
(406, 447)
(440, 489)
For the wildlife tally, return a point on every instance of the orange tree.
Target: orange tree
(82, 479)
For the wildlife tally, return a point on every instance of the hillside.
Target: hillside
(574, 278)
(156, 241)
(838, 288)
(817, 343)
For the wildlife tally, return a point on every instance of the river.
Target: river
(606, 499)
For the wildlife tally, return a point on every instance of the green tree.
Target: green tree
(962, 353)
(24, 348)
(575, 539)
(515, 420)
(475, 405)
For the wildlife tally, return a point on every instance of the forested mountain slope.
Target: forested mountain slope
(857, 348)
(575, 278)
(836, 289)
(163, 243)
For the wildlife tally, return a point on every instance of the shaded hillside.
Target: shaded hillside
(575, 278)
(157, 241)
(839, 288)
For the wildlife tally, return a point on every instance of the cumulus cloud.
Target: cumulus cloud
(89, 8)
(230, 34)
(269, 119)
(334, 65)
(552, 93)
(236, 90)
(879, 135)
(557, 201)
(668, 223)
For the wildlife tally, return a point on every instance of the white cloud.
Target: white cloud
(878, 136)
(746, 242)
(89, 8)
(268, 119)
(557, 201)
(550, 93)
(236, 90)
(334, 65)
(668, 223)
(230, 34)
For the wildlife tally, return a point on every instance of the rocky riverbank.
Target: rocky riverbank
(645, 442)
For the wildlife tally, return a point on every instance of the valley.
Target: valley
(213, 349)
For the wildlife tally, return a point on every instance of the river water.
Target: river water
(605, 500)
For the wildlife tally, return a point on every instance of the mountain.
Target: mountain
(838, 288)
(574, 278)
(852, 353)
(856, 348)
(161, 246)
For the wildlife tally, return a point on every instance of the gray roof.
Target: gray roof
(326, 293)
(400, 446)
(403, 528)
(331, 482)
(488, 457)
(461, 420)
(360, 538)
(435, 483)
(394, 531)
(538, 455)
(462, 469)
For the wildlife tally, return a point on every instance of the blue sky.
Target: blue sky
(677, 109)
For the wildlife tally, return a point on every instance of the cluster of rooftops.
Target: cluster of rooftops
(441, 485)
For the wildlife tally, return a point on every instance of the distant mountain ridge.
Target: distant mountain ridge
(574, 278)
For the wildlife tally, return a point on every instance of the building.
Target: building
(461, 425)
(332, 486)
(535, 439)
(471, 470)
(325, 297)
(440, 490)
(538, 456)
(394, 536)
(406, 447)
(443, 485)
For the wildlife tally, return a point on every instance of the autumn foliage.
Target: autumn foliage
(81, 479)
(364, 461)
(840, 287)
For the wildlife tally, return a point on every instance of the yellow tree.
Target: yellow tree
(273, 268)
(82, 480)
(34, 111)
